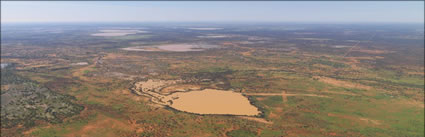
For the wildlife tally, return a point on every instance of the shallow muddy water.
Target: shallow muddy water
(212, 101)
(205, 101)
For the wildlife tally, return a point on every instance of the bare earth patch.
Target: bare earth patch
(179, 87)
(373, 51)
(261, 120)
(341, 83)
(362, 119)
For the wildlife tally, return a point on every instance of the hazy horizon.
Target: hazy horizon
(212, 11)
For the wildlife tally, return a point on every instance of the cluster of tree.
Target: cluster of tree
(25, 101)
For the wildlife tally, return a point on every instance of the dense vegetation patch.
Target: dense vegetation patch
(24, 102)
(241, 133)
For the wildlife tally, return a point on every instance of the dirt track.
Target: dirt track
(261, 120)
(284, 95)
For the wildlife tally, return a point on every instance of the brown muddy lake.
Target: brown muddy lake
(212, 101)
(205, 101)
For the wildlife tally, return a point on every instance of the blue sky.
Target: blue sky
(218, 11)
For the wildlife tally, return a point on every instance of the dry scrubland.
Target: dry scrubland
(302, 86)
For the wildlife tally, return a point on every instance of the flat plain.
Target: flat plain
(145, 80)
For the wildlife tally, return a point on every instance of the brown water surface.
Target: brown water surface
(212, 101)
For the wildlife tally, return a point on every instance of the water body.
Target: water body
(205, 101)
(172, 47)
(212, 101)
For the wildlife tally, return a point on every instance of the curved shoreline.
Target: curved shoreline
(251, 101)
